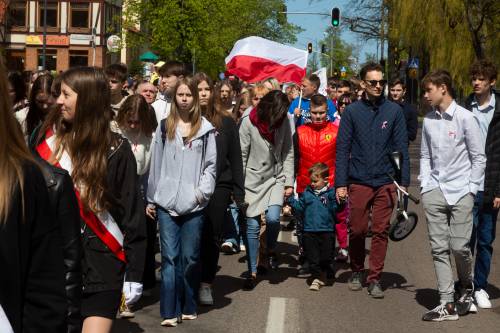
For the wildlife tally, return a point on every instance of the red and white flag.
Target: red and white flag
(254, 59)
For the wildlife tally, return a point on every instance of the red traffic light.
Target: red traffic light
(309, 47)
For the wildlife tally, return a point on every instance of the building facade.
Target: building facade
(76, 33)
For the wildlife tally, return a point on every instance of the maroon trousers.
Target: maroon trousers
(380, 201)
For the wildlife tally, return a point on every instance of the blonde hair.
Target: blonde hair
(194, 112)
(13, 151)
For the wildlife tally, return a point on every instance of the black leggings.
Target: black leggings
(217, 216)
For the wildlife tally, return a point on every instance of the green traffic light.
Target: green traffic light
(335, 23)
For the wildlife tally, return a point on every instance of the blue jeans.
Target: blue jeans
(483, 235)
(232, 232)
(180, 262)
(253, 229)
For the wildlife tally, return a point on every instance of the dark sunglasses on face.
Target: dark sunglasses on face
(374, 83)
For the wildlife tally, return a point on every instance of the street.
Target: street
(281, 302)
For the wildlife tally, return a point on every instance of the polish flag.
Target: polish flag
(254, 59)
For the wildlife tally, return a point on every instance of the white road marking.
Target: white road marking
(279, 309)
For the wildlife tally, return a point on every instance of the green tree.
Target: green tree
(203, 31)
(340, 53)
(448, 34)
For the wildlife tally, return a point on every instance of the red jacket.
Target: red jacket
(315, 143)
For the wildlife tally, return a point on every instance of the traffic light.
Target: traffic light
(382, 63)
(309, 47)
(335, 17)
(323, 48)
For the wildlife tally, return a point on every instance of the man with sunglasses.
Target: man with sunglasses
(369, 131)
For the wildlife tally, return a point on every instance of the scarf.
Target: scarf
(263, 127)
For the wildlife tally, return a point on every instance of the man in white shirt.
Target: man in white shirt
(484, 102)
(451, 170)
(170, 73)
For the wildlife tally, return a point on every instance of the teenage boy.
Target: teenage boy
(369, 131)
(344, 87)
(397, 92)
(117, 78)
(484, 103)
(170, 73)
(451, 169)
(310, 86)
(315, 142)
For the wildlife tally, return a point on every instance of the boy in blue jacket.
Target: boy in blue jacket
(316, 207)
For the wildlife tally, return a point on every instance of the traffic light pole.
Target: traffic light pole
(306, 13)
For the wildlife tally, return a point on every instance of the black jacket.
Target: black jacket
(102, 270)
(492, 150)
(411, 117)
(64, 207)
(32, 275)
(229, 160)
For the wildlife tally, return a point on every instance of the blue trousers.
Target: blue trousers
(483, 235)
(180, 262)
(253, 229)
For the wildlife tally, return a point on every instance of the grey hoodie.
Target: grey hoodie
(182, 176)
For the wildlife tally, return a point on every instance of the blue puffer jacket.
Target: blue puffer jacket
(316, 211)
(368, 133)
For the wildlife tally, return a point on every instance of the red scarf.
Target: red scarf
(264, 128)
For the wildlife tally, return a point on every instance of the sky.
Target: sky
(315, 25)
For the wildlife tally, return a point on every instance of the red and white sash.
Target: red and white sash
(102, 224)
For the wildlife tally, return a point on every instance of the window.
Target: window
(17, 14)
(52, 14)
(79, 15)
(78, 58)
(50, 59)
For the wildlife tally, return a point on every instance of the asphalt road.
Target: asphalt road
(282, 303)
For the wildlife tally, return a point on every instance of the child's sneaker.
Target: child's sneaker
(441, 313)
(316, 285)
(342, 255)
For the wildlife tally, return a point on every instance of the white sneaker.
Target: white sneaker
(172, 322)
(242, 247)
(189, 317)
(482, 299)
(473, 308)
(205, 295)
(228, 248)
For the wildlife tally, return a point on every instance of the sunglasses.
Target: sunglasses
(374, 83)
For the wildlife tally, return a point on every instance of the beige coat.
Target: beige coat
(267, 168)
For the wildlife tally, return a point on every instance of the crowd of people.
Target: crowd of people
(97, 172)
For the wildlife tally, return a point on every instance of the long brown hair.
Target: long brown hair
(88, 137)
(213, 114)
(13, 150)
(194, 112)
(137, 104)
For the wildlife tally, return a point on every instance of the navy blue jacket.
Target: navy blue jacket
(368, 133)
(316, 211)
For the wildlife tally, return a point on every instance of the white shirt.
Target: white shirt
(452, 153)
(162, 108)
(484, 116)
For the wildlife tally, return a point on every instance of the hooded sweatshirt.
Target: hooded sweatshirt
(182, 175)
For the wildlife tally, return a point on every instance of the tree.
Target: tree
(340, 53)
(204, 31)
(448, 34)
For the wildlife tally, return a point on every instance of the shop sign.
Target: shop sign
(52, 40)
